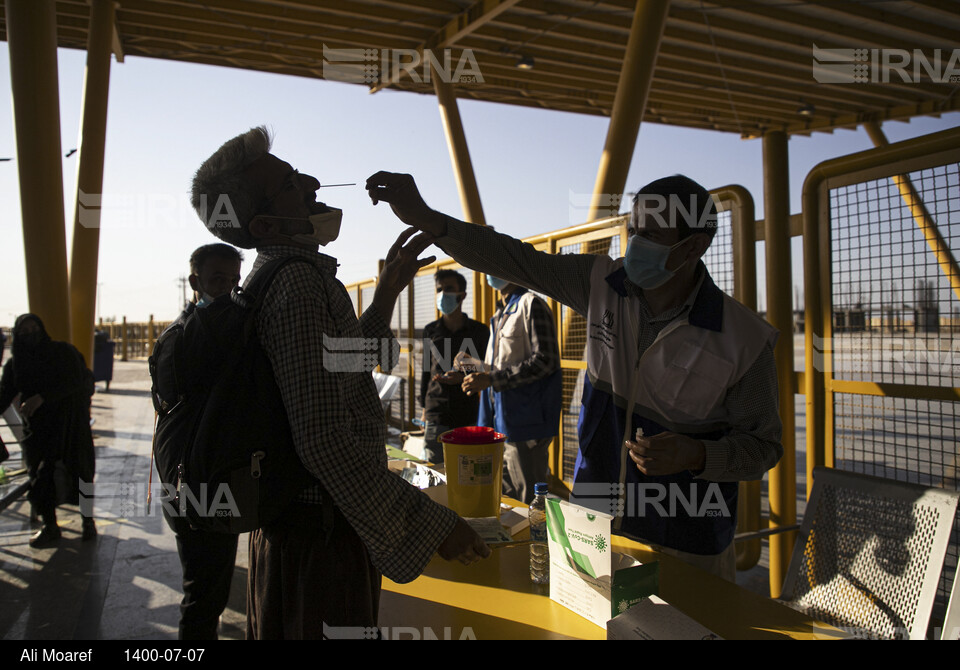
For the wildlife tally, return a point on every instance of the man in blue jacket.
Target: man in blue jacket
(520, 386)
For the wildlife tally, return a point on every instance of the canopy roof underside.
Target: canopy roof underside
(743, 66)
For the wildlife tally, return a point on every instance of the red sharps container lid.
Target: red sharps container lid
(472, 435)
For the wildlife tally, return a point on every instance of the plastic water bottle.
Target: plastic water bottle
(539, 556)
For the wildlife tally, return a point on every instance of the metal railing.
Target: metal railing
(882, 368)
(134, 340)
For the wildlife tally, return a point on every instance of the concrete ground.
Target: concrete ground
(126, 584)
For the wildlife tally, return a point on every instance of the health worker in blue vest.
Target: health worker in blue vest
(680, 394)
(520, 386)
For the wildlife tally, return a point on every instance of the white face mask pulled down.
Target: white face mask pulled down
(326, 228)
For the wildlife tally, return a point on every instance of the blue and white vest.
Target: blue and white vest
(679, 384)
(531, 411)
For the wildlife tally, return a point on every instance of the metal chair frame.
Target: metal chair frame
(931, 508)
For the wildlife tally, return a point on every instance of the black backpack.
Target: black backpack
(223, 445)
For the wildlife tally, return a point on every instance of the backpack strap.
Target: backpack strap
(253, 296)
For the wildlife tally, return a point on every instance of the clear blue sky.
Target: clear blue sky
(165, 118)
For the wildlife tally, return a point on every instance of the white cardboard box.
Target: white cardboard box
(655, 619)
(585, 575)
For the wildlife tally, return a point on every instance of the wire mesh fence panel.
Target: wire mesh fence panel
(354, 294)
(719, 255)
(570, 417)
(896, 321)
(896, 316)
(366, 296)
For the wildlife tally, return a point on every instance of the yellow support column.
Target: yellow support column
(86, 220)
(483, 299)
(32, 40)
(649, 19)
(633, 87)
(743, 224)
(783, 478)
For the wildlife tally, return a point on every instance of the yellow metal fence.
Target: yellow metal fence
(133, 340)
(882, 369)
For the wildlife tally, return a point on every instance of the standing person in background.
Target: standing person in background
(55, 388)
(207, 559)
(214, 271)
(520, 386)
(445, 405)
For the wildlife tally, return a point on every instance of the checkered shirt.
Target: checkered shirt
(335, 413)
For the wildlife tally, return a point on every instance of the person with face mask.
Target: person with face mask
(206, 559)
(680, 395)
(445, 405)
(214, 271)
(520, 386)
(318, 566)
(52, 381)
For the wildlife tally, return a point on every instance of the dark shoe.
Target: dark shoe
(89, 530)
(48, 536)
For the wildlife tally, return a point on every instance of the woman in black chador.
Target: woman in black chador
(55, 388)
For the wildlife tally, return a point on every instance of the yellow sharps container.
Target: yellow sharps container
(473, 458)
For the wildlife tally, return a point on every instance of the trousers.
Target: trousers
(524, 464)
(207, 560)
(310, 574)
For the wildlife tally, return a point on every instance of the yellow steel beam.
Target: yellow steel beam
(636, 75)
(912, 392)
(469, 21)
(747, 59)
(899, 113)
(116, 43)
(90, 148)
(925, 222)
(783, 478)
(739, 199)
(466, 185)
(474, 17)
(32, 41)
(649, 21)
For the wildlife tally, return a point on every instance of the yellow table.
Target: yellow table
(495, 599)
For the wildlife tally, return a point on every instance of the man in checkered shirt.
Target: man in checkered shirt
(680, 396)
(319, 566)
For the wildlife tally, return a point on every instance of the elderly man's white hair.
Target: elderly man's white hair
(219, 195)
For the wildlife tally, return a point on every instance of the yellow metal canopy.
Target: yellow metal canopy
(744, 66)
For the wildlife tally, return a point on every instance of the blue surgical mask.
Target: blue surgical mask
(205, 300)
(496, 283)
(645, 262)
(448, 302)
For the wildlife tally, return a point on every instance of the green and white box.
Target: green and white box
(585, 575)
